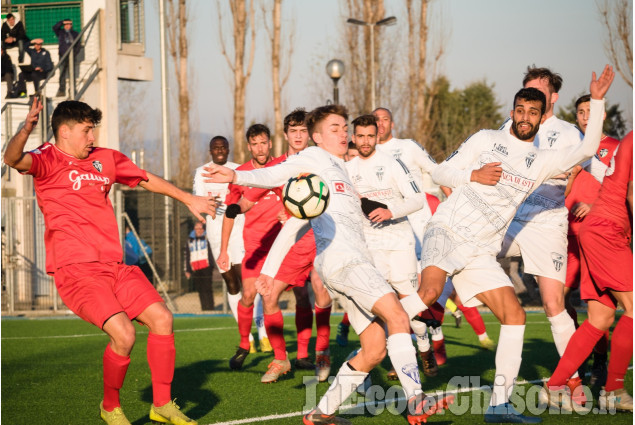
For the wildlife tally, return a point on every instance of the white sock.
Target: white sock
(562, 328)
(437, 333)
(508, 359)
(421, 335)
(404, 359)
(482, 336)
(259, 318)
(346, 381)
(413, 305)
(233, 300)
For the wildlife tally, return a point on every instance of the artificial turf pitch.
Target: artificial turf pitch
(51, 374)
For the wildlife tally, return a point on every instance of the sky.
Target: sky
(491, 40)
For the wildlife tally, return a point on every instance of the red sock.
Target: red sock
(245, 317)
(274, 324)
(304, 326)
(323, 325)
(621, 353)
(345, 321)
(161, 355)
(474, 318)
(603, 344)
(115, 368)
(578, 349)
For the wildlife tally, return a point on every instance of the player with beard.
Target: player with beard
(491, 174)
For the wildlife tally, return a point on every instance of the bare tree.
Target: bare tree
(242, 25)
(177, 42)
(278, 75)
(617, 17)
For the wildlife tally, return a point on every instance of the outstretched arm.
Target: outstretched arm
(14, 156)
(198, 205)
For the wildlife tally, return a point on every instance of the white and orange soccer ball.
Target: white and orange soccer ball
(305, 196)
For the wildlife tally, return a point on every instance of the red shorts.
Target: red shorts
(297, 265)
(607, 260)
(573, 263)
(255, 255)
(98, 291)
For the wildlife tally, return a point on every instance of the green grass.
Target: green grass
(51, 373)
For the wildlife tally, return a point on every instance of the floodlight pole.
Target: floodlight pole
(391, 20)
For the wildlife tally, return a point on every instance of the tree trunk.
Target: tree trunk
(278, 139)
(184, 176)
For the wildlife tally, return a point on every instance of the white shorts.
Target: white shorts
(472, 272)
(236, 246)
(544, 250)
(399, 268)
(357, 287)
(418, 221)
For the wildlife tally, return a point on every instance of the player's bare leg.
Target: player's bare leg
(323, 304)
(505, 306)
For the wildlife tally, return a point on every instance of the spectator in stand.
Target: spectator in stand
(41, 64)
(7, 70)
(198, 265)
(66, 35)
(14, 35)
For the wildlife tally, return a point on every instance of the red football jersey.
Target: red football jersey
(433, 202)
(585, 187)
(261, 221)
(73, 195)
(611, 202)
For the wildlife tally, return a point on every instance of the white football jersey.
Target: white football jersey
(387, 180)
(546, 204)
(479, 213)
(339, 231)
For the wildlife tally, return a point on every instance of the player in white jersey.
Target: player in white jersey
(416, 158)
(389, 194)
(538, 232)
(492, 173)
(345, 266)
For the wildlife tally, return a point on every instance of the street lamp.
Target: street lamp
(335, 70)
(391, 20)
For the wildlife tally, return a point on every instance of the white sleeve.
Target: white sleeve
(276, 175)
(198, 188)
(456, 170)
(596, 168)
(291, 232)
(422, 158)
(567, 158)
(413, 199)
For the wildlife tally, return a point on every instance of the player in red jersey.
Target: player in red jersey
(582, 190)
(262, 224)
(72, 179)
(606, 279)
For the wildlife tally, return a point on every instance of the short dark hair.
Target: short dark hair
(532, 94)
(215, 138)
(582, 99)
(256, 130)
(533, 73)
(364, 121)
(383, 109)
(319, 114)
(352, 145)
(71, 112)
(297, 117)
(10, 15)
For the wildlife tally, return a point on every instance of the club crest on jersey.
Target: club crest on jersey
(396, 154)
(552, 136)
(339, 187)
(529, 159)
(98, 166)
(603, 153)
(558, 260)
(412, 371)
(379, 172)
(502, 149)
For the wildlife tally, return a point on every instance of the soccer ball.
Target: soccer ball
(305, 196)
